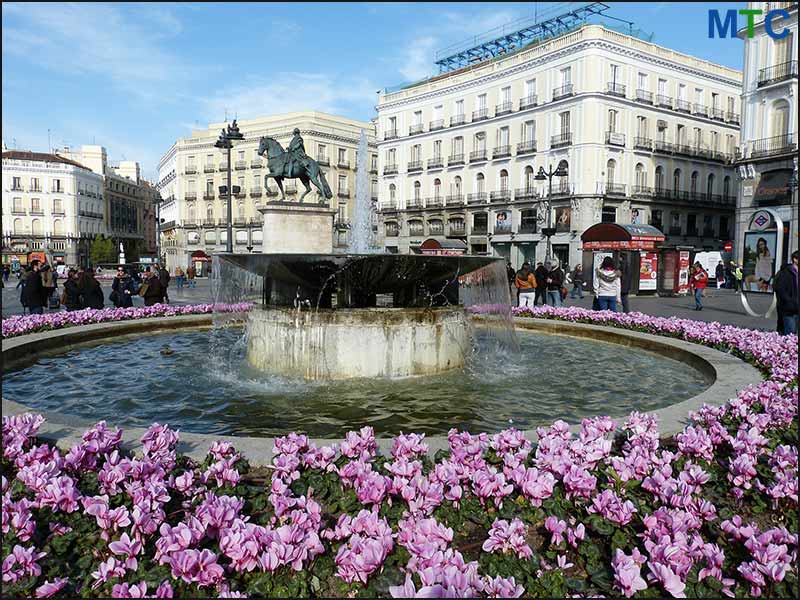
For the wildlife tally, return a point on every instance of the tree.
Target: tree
(102, 251)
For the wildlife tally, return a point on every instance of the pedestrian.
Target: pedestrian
(164, 277)
(624, 287)
(720, 273)
(541, 284)
(48, 282)
(525, 281)
(152, 291)
(607, 285)
(699, 281)
(554, 281)
(6, 273)
(191, 273)
(729, 281)
(738, 276)
(90, 291)
(578, 281)
(122, 289)
(71, 296)
(34, 292)
(179, 277)
(786, 294)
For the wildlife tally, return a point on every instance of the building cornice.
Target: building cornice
(11, 165)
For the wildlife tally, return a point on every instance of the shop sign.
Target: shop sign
(648, 244)
(648, 271)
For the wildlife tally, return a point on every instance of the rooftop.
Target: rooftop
(40, 157)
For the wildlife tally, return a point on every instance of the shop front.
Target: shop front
(202, 263)
(442, 247)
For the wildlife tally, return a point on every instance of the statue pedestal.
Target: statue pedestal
(294, 228)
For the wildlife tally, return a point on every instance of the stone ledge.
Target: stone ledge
(730, 375)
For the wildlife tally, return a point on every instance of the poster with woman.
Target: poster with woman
(759, 260)
(563, 216)
(502, 222)
(636, 216)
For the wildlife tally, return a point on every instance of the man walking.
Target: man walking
(164, 277)
(785, 288)
(577, 282)
(720, 273)
(554, 280)
(34, 292)
(541, 284)
(526, 286)
(699, 280)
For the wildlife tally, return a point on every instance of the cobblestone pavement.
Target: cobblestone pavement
(724, 306)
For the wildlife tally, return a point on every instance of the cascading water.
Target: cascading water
(362, 240)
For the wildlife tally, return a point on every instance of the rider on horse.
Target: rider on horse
(296, 155)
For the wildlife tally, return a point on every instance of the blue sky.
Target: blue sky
(135, 77)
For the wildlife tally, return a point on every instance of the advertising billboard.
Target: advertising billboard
(758, 266)
(648, 271)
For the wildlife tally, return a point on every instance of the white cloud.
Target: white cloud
(418, 58)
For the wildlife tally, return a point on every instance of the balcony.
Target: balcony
(682, 149)
(240, 221)
(562, 190)
(58, 212)
(642, 191)
(392, 232)
(390, 170)
(708, 233)
(208, 168)
(240, 165)
(643, 143)
(526, 194)
(501, 152)
(500, 196)
(190, 223)
(415, 129)
(700, 109)
(773, 146)
(18, 188)
(561, 140)
(457, 231)
(611, 189)
(481, 229)
(343, 163)
(477, 198)
(208, 195)
(223, 166)
(416, 231)
(389, 205)
(414, 203)
(255, 164)
(390, 134)
(323, 160)
(436, 124)
(529, 226)
(255, 192)
(272, 191)
(190, 170)
(664, 101)
(343, 193)
(290, 188)
(615, 89)
(717, 114)
(209, 223)
(683, 106)
(480, 114)
(663, 147)
(614, 138)
(503, 109)
(732, 117)
(414, 165)
(435, 163)
(644, 96)
(455, 159)
(435, 202)
(777, 73)
(457, 120)
(477, 156)
(528, 101)
(563, 92)
(190, 196)
(455, 200)
(37, 211)
(528, 147)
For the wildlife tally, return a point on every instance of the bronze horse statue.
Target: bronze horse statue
(307, 170)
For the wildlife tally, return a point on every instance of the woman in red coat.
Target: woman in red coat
(699, 281)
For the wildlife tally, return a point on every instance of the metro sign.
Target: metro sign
(761, 221)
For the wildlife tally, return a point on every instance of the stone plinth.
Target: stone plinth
(294, 228)
(343, 344)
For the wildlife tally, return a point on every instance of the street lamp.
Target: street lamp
(225, 142)
(561, 171)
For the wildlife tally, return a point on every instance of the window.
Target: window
(191, 213)
(458, 146)
(190, 161)
(659, 178)
(564, 120)
(529, 179)
(698, 137)
(779, 118)
(642, 81)
(726, 187)
(723, 228)
(35, 205)
(609, 215)
(342, 156)
(416, 152)
(481, 105)
(479, 141)
(210, 212)
(241, 183)
(417, 190)
(209, 187)
(241, 154)
(392, 124)
(730, 144)
(698, 95)
(373, 162)
(342, 183)
(16, 183)
(691, 224)
(611, 170)
(710, 185)
(392, 193)
(459, 108)
(715, 141)
(240, 210)
(504, 180)
(529, 131)
(438, 112)
(36, 227)
(58, 227)
(35, 186)
(565, 75)
(715, 101)
(17, 205)
(57, 185)
(612, 120)
(502, 137)
(437, 149)
(457, 186)
(641, 176)
(57, 206)
(662, 87)
(391, 157)
(693, 182)
(680, 135)
(530, 88)
(731, 104)
(437, 188)
(18, 226)
(322, 151)
(614, 74)
(656, 217)
(480, 183)
(505, 95)
(676, 180)
(642, 129)
(209, 159)
(682, 91)
(191, 186)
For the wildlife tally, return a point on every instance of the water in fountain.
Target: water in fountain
(362, 240)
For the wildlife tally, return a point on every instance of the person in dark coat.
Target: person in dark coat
(122, 289)
(90, 290)
(786, 294)
(720, 275)
(554, 281)
(541, 284)
(71, 298)
(625, 286)
(164, 277)
(34, 294)
(154, 294)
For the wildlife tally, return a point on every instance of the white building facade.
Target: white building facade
(646, 134)
(768, 159)
(51, 205)
(194, 212)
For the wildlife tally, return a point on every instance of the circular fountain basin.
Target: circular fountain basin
(357, 343)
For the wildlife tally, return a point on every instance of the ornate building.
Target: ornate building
(645, 135)
(194, 211)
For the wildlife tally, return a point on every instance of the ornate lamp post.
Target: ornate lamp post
(549, 231)
(225, 141)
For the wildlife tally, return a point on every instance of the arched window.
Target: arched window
(611, 170)
(18, 226)
(210, 212)
(436, 227)
(392, 192)
(676, 180)
(36, 227)
(529, 180)
(480, 183)
(211, 237)
(710, 185)
(564, 165)
(417, 190)
(659, 178)
(457, 186)
(437, 188)
(726, 187)
(693, 182)
(58, 227)
(779, 118)
(503, 180)
(191, 213)
(641, 176)
(240, 210)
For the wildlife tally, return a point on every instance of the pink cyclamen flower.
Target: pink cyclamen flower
(627, 574)
(129, 590)
(51, 588)
(508, 538)
(671, 582)
(556, 527)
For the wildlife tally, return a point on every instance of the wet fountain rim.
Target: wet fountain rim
(730, 373)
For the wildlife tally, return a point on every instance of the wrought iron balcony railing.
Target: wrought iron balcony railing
(480, 114)
(414, 165)
(563, 91)
(525, 194)
(501, 152)
(436, 124)
(455, 159)
(503, 109)
(415, 129)
(457, 120)
(772, 146)
(528, 101)
(615, 89)
(644, 96)
(776, 73)
(642, 143)
(390, 169)
(527, 147)
(477, 156)
(562, 139)
(437, 162)
(663, 100)
(477, 198)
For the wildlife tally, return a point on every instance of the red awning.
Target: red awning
(611, 236)
(199, 255)
(442, 246)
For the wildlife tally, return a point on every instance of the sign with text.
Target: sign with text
(648, 271)
(683, 272)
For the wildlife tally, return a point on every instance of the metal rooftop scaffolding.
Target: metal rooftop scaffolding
(505, 43)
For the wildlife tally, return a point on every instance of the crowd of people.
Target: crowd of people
(80, 289)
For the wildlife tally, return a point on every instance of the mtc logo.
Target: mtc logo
(728, 27)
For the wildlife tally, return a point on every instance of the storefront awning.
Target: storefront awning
(773, 187)
(612, 236)
(442, 246)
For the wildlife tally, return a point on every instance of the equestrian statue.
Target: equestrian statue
(293, 164)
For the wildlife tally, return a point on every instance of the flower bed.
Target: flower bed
(24, 324)
(611, 511)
